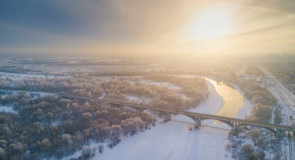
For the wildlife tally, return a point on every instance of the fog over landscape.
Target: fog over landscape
(147, 80)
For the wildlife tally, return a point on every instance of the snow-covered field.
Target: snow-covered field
(171, 141)
(35, 95)
(8, 109)
(20, 76)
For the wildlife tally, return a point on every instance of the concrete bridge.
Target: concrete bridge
(278, 130)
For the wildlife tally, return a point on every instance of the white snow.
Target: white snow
(133, 98)
(184, 96)
(102, 96)
(34, 94)
(161, 84)
(8, 109)
(55, 123)
(172, 141)
(136, 99)
(21, 76)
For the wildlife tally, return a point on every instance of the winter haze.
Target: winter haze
(147, 80)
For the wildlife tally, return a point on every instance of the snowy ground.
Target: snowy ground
(169, 141)
(162, 84)
(8, 109)
(20, 76)
(34, 95)
(172, 141)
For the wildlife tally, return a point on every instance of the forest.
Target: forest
(55, 127)
(46, 125)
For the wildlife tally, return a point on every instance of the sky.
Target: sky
(147, 27)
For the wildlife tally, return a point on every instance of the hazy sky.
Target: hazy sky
(176, 27)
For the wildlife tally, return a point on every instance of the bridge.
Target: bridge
(278, 130)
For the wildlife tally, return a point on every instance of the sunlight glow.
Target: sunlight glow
(212, 23)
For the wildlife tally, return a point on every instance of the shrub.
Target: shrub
(87, 152)
(100, 148)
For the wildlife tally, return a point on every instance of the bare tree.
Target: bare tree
(255, 134)
(87, 152)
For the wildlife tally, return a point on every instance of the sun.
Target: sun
(213, 23)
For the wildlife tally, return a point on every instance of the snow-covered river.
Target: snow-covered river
(173, 140)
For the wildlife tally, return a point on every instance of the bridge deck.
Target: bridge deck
(259, 124)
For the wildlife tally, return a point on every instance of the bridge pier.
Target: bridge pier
(197, 122)
(167, 117)
(235, 124)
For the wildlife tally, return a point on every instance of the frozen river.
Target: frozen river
(173, 140)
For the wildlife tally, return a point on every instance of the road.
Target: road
(286, 100)
(241, 71)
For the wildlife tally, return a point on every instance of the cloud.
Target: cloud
(130, 25)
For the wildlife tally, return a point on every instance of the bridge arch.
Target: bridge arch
(267, 128)
(271, 130)
(200, 119)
